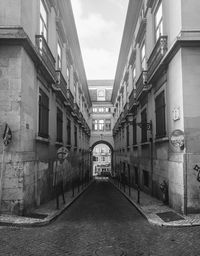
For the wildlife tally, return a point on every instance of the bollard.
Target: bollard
(138, 198)
(72, 188)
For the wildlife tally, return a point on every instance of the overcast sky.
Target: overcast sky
(100, 25)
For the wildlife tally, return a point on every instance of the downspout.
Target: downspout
(185, 177)
(151, 140)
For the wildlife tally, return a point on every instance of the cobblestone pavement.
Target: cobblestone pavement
(100, 218)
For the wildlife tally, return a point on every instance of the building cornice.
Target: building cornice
(127, 39)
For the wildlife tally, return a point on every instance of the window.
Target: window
(94, 125)
(145, 178)
(143, 53)
(134, 132)
(101, 95)
(144, 126)
(107, 124)
(59, 56)
(101, 110)
(95, 110)
(134, 73)
(159, 21)
(59, 125)
(43, 115)
(68, 132)
(101, 125)
(160, 115)
(107, 110)
(67, 74)
(75, 91)
(43, 20)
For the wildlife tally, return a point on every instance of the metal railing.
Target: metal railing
(46, 54)
(157, 54)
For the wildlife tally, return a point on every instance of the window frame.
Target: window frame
(107, 124)
(59, 55)
(43, 22)
(143, 55)
(144, 126)
(59, 125)
(43, 115)
(160, 115)
(158, 25)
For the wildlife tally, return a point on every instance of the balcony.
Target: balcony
(141, 85)
(156, 56)
(61, 85)
(132, 100)
(76, 110)
(46, 55)
(126, 110)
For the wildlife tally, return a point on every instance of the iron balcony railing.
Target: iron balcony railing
(132, 99)
(70, 98)
(46, 54)
(141, 84)
(156, 56)
(61, 84)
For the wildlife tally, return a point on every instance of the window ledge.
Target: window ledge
(160, 140)
(42, 139)
(135, 145)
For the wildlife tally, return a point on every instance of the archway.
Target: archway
(102, 158)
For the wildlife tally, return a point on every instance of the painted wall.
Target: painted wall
(191, 92)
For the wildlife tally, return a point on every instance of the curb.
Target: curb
(151, 221)
(50, 218)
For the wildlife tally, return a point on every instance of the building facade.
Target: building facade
(155, 95)
(101, 114)
(101, 160)
(44, 99)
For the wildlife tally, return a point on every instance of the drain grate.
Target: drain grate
(169, 216)
(109, 251)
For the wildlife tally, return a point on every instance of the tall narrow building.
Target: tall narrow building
(156, 99)
(44, 100)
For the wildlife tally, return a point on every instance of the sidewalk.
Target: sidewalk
(44, 214)
(150, 208)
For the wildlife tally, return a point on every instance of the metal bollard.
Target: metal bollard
(138, 195)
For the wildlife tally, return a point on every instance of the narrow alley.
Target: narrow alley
(100, 222)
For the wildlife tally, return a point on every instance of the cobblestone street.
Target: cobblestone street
(100, 218)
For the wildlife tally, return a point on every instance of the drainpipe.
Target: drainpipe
(2, 172)
(151, 140)
(185, 178)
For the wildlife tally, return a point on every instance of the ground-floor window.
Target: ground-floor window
(43, 127)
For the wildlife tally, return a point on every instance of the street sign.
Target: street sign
(63, 151)
(177, 140)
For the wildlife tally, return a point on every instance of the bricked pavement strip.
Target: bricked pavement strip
(150, 206)
(101, 221)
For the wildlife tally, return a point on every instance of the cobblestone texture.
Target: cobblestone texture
(101, 217)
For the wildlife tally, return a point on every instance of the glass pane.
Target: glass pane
(43, 12)
(158, 15)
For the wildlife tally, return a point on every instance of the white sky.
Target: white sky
(100, 26)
